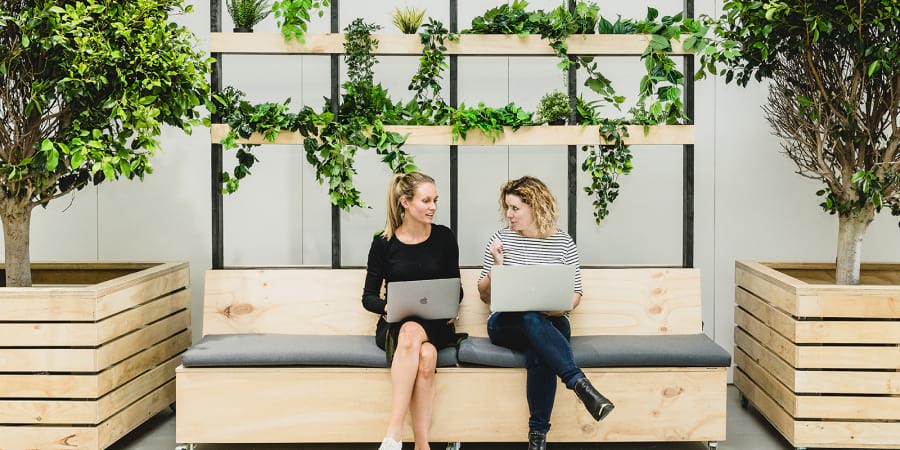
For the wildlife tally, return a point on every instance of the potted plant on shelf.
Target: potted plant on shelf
(834, 99)
(554, 109)
(247, 13)
(86, 91)
(408, 20)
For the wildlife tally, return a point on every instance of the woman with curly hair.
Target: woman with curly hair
(532, 237)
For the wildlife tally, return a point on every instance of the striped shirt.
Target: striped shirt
(518, 250)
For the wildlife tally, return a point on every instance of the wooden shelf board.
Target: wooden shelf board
(406, 44)
(538, 135)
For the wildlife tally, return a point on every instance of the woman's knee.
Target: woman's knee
(411, 336)
(533, 318)
(428, 356)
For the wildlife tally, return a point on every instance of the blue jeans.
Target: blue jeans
(548, 354)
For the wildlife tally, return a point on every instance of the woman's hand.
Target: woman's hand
(497, 252)
(453, 320)
(554, 313)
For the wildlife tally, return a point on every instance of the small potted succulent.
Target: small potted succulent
(554, 109)
(247, 13)
(408, 20)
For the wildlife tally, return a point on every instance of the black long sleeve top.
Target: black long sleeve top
(392, 260)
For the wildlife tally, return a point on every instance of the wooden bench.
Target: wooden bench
(472, 404)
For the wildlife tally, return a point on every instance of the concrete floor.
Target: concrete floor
(747, 430)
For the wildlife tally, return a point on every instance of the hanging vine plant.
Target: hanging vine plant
(428, 107)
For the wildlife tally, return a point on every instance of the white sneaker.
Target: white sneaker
(390, 444)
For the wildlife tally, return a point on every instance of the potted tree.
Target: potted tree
(87, 87)
(834, 98)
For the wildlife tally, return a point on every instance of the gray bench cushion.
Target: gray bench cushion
(254, 350)
(693, 350)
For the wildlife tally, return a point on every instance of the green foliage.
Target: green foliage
(554, 107)
(586, 113)
(554, 26)
(87, 89)
(245, 119)
(605, 163)
(426, 81)
(834, 96)
(489, 120)
(663, 80)
(247, 13)
(620, 26)
(408, 20)
(293, 16)
(586, 16)
(504, 19)
(330, 141)
(367, 106)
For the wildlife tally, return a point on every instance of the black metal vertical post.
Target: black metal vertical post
(218, 218)
(688, 156)
(335, 106)
(454, 102)
(572, 154)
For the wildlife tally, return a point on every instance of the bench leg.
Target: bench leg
(454, 445)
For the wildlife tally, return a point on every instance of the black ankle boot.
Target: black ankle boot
(596, 404)
(537, 441)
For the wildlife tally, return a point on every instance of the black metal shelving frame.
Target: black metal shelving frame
(218, 237)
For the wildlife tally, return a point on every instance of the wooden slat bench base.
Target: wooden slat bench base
(316, 405)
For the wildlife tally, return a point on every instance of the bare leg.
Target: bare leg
(403, 374)
(423, 395)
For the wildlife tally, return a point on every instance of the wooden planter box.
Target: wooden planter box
(818, 360)
(89, 353)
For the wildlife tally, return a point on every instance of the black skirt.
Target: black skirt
(440, 333)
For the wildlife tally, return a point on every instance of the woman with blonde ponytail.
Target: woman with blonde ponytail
(411, 248)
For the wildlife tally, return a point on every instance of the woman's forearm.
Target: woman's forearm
(484, 289)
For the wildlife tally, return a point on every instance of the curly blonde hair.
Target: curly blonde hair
(535, 194)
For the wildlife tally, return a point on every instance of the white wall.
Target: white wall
(749, 203)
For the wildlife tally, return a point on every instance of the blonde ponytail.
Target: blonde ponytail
(401, 185)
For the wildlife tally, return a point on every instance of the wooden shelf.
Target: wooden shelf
(538, 135)
(408, 44)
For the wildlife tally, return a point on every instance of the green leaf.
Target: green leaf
(874, 66)
(77, 159)
(52, 159)
(658, 42)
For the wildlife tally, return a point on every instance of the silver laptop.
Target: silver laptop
(428, 299)
(542, 287)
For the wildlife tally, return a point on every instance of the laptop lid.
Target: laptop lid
(428, 299)
(540, 287)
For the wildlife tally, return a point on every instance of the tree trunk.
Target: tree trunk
(851, 229)
(16, 242)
